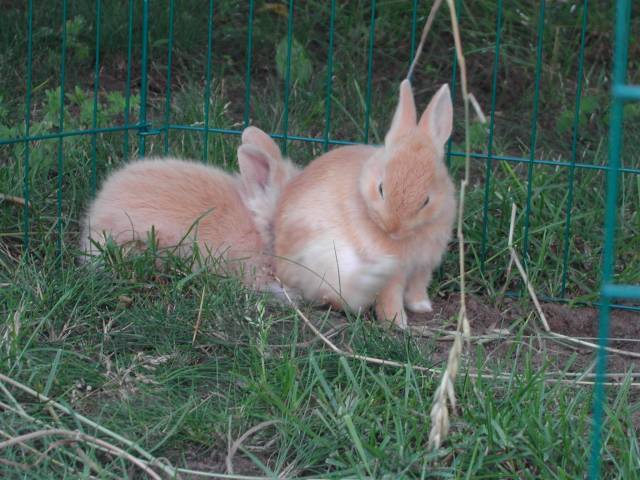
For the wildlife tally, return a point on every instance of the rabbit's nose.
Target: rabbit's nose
(395, 231)
(398, 231)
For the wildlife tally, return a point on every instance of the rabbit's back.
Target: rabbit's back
(176, 198)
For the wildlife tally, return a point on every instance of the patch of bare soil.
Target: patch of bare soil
(496, 326)
(214, 461)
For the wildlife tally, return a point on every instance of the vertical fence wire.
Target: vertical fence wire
(621, 45)
(96, 88)
(27, 127)
(63, 61)
(492, 114)
(329, 86)
(574, 152)
(207, 90)
(287, 81)
(414, 27)
(534, 129)
(247, 76)
(167, 105)
(454, 94)
(127, 98)
(372, 39)
(142, 139)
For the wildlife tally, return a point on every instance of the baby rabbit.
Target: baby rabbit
(189, 203)
(363, 223)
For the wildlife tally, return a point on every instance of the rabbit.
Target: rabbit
(364, 224)
(185, 202)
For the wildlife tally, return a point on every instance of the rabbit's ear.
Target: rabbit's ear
(405, 117)
(255, 136)
(255, 167)
(437, 119)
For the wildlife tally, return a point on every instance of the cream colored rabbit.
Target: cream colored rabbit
(189, 203)
(363, 224)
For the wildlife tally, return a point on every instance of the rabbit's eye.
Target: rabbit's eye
(380, 190)
(426, 202)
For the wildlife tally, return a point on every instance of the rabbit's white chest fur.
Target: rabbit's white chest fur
(333, 269)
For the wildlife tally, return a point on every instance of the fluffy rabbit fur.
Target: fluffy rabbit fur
(189, 203)
(363, 224)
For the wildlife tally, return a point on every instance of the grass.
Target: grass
(116, 344)
(131, 366)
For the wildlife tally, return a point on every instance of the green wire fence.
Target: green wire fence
(137, 28)
(139, 55)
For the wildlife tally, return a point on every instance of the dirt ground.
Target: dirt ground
(496, 325)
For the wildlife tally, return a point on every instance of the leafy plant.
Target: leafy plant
(588, 106)
(301, 67)
(76, 30)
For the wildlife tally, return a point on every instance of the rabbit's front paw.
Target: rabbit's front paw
(420, 306)
(386, 312)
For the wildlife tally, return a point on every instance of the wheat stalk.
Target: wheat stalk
(444, 395)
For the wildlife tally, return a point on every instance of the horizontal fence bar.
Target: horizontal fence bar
(551, 163)
(193, 128)
(627, 92)
(481, 156)
(621, 291)
(278, 136)
(72, 133)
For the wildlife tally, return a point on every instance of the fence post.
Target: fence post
(623, 11)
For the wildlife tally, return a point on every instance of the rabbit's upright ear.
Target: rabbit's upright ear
(437, 119)
(405, 117)
(255, 136)
(255, 167)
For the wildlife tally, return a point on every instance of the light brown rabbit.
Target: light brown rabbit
(189, 203)
(363, 224)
